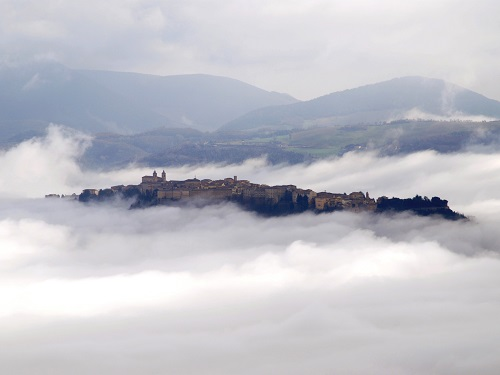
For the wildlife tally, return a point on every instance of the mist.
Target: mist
(88, 289)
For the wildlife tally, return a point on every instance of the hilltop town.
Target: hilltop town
(264, 199)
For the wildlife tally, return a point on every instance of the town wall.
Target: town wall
(211, 193)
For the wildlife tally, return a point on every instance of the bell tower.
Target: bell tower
(163, 176)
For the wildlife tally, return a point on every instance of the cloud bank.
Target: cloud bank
(103, 289)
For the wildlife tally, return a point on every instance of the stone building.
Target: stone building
(356, 202)
(279, 199)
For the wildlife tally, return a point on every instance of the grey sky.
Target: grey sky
(305, 48)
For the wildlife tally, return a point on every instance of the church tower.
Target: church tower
(155, 176)
(163, 176)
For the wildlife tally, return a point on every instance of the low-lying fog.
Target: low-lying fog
(102, 289)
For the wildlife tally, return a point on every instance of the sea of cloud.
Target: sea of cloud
(216, 290)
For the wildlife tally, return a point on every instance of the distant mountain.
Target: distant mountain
(199, 101)
(33, 95)
(400, 98)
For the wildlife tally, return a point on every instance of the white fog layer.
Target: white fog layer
(88, 289)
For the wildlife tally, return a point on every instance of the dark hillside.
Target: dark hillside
(400, 98)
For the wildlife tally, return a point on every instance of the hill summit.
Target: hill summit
(396, 99)
(36, 94)
(268, 200)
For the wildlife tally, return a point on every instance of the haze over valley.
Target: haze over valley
(174, 120)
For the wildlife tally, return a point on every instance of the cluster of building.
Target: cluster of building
(270, 200)
(68, 196)
(284, 198)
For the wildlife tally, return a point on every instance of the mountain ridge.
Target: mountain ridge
(395, 99)
(34, 95)
(201, 101)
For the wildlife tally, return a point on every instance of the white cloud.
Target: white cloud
(91, 289)
(50, 165)
(33, 83)
(42, 164)
(306, 292)
(417, 114)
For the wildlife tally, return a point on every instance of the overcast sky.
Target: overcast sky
(305, 48)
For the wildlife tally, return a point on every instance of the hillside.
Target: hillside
(169, 146)
(400, 98)
(199, 101)
(34, 95)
